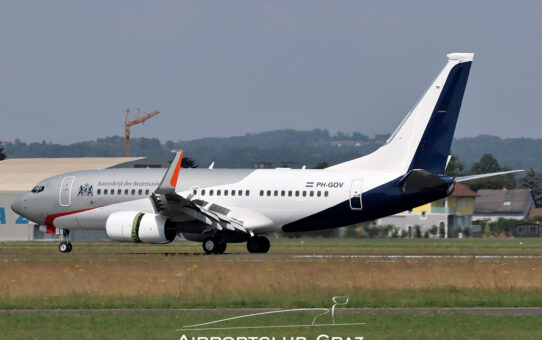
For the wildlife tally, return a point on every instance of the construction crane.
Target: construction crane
(128, 123)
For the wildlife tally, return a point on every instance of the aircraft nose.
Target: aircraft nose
(18, 206)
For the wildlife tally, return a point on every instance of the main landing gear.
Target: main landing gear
(214, 245)
(258, 244)
(65, 245)
(217, 245)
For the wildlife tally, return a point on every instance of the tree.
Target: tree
(321, 165)
(487, 164)
(188, 162)
(532, 180)
(2, 154)
(454, 168)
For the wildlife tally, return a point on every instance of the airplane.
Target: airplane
(221, 206)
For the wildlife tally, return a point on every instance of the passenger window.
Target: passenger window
(319, 193)
(147, 192)
(140, 192)
(261, 192)
(99, 191)
(304, 193)
(112, 191)
(276, 193)
(211, 192)
(296, 193)
(126, 191)
(326, 193)
(219, 192)
(105, 191)
(311, 193)
(119, 191)
(133, 191)
(283, 193)
(268, 192)
(289, 193)
(203, 192)
(240, 192)
(194, 192)
(247, 193)
(233, 192)
(225, 192)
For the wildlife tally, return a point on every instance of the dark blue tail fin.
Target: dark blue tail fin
(434, 148)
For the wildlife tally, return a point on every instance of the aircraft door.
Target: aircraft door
(355, 195)
(65, 199)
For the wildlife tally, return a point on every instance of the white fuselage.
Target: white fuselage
(265, 200)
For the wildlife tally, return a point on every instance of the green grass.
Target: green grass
(377, 298)
(164, 326)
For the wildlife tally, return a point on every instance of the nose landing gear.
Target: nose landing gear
(65, 245)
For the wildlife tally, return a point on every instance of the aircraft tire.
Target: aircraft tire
(258, 244)
(65, 247)
(220, 248)
(210, 245)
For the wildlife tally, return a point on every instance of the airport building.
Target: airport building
(19, 175)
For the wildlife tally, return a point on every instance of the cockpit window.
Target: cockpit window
(38, 188)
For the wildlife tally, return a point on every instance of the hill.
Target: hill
(295, 148)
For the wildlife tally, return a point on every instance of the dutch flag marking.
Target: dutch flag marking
(310, 184)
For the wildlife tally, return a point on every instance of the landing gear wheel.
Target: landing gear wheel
(220, 248)
(210, 245)
(258, 244)
(65, 247)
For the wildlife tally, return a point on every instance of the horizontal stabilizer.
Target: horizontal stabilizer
(473, 177)
(419, 179)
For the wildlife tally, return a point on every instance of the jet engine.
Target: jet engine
(134, 226)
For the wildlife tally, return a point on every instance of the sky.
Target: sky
(69, 69)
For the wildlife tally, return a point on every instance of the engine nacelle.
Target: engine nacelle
(134, 226)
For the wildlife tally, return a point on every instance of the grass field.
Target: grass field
(376, 326)
(35, 275)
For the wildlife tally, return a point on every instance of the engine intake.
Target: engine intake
(134, 226)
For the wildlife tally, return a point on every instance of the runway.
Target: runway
(15, 256)
(470, 311)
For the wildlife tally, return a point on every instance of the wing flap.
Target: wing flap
(170, 203)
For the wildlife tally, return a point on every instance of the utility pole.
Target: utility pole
(128, 123)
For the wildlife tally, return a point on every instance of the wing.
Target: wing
(169, 203)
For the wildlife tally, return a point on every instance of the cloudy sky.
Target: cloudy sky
(68, 70)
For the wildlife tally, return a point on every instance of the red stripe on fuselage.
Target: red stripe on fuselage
(49, 220)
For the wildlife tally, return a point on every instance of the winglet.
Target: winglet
(169, 182)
